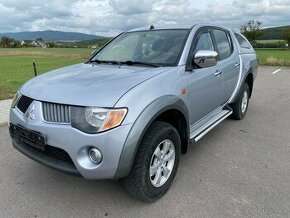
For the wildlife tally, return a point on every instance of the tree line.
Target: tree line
(252, 31)
(7, 42)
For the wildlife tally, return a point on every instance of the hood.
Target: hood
(88, 84)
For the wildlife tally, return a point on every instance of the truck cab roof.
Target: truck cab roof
(177, 26)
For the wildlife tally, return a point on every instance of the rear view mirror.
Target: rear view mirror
(205, 58)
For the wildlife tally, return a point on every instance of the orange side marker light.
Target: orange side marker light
(183, 91)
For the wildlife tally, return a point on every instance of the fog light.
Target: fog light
(95, 155)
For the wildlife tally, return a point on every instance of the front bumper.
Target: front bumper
(73, 142)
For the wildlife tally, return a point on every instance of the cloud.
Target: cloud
(109, 17)
(131, 7)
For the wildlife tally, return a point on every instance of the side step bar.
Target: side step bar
(197, 133)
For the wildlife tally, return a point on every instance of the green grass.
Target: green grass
(14, 71)
(49, 52)
(84, 51)
(270, 41)
(274, 57)
(16, 64)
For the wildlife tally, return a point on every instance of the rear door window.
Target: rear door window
(242, 41)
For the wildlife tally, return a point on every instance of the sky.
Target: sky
(109, 17)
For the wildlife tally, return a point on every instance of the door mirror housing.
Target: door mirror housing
(205, 58)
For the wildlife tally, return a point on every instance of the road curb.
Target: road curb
(5, 106)
(3, 124)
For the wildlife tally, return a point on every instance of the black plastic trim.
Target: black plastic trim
(140, 126)
(43, 159)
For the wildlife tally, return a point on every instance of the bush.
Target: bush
(275, 44)
(50, 44)
(272, 61)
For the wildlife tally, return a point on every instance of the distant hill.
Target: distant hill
(51, 35)
(93, 43)
(272, 33)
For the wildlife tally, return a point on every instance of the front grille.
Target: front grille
(23, 103)
(55, 113)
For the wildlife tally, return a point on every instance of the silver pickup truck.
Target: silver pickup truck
(133, 108)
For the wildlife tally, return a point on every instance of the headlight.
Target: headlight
(95, 119)
(15, 99)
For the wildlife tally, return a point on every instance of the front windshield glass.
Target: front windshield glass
(160, 47)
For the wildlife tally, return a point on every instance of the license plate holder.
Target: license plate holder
(27, 136)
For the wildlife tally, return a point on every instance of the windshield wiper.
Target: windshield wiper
(140, 63)
(125, 62)
(105, 62)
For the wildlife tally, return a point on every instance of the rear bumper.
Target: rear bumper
(68, 140)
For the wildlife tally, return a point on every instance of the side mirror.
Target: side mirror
(205, 58)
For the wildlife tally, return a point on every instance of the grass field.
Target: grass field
(274, 57)
(16, 64)
(50, 52)
(270, 41)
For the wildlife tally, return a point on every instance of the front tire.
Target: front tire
(155, 164)
(240, 107)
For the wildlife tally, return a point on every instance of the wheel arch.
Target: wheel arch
(177, 119)
(160, 109)
(249, 79)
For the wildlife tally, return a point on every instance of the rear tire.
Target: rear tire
(155, 164)
(240, 107)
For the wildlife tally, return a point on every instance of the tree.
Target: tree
(7, 42)
(16, 44)
(50, 44)
(39, 39)
(286, 35)
(251, 30)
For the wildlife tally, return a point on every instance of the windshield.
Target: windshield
(159, 47)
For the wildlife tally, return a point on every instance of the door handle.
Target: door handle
(237, 64)
(218, 72)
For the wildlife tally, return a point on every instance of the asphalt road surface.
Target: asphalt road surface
(241, 168)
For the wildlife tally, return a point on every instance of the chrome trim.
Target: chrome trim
(212, 126)
(236, 90)
(16, 100)
(47, 122)
(237, 65)
(218, 72)
(56, 122)
(206, 58)
(197, 132)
